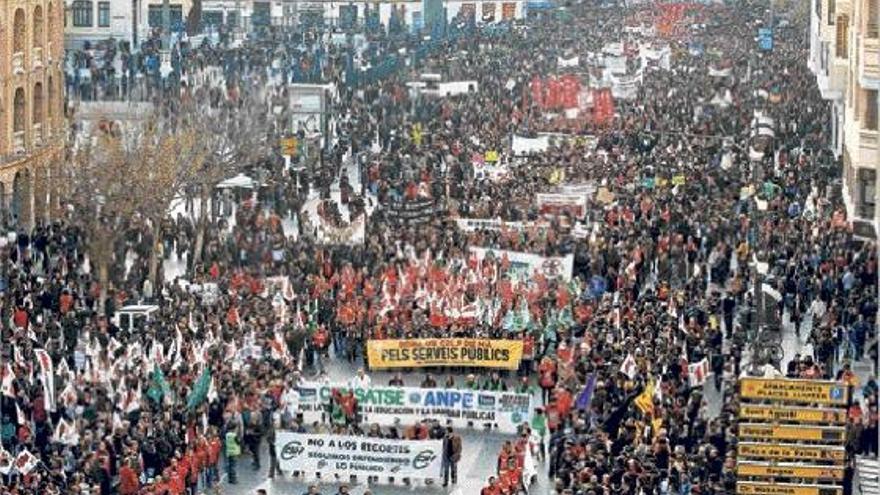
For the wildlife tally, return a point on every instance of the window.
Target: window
(870, 117)
(831, 11)
(82, 13)
(103, 14)
(872, 11)
(38, 27)
(212, 18)
(156, 17)
(867, 179)
(262, 14)
(842, 49)
(19, 31)
(819, 9)
(508, 10)
(488, 12)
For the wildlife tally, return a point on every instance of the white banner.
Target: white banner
(615, 65)
(625, 87)
(523, 146)
(559, 203)
(493, 224)
(388, 406)
(495, 172)
(588, 189)
(713, 72)
(529, 264)
(358, 456)
(351, 234)
(562, 63)
(661, 56)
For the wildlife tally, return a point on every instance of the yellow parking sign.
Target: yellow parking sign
(787, 390)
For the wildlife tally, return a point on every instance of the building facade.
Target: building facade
(845, 56)
(249, 14)
(32, 129)
(861, 148)
(122, 20)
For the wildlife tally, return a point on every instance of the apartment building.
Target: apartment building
(32, 129)
(845, 56)
(122, 20)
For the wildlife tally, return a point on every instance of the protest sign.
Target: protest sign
(523, 145)
(587, 189)
(562, 63)
(560, 203)
(412, 212)
(527, 265)
(419, 353)
(492, 170)
(496, 225)
(355, 456)
(388, 406)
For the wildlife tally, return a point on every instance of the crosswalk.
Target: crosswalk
(868, 475)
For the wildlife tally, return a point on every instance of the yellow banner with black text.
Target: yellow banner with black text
(418, 353)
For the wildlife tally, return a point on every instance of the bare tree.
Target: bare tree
(117, 176)
(232, 137)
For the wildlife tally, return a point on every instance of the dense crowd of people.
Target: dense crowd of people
(660, 281)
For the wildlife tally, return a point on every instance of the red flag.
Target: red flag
(537, 88)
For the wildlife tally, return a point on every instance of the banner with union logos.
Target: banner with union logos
(358, 456)
(527, 265)
(388, 406)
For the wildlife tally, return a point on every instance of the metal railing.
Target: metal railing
(18, 142)
(38, 134)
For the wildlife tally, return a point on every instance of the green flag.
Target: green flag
(160, 387)
(199, 390)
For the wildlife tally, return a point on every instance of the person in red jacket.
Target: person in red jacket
(214, 446)
(128, 479)
(492, 488)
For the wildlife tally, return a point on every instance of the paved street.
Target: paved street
(480, 453)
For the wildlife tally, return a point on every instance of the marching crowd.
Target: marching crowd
(92, 407)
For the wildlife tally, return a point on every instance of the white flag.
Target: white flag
(629, 366)
(8, 380)
(65, 433)
(698, 372)
(47, 370)
(20, 418)
(25, 462)
(5, 461)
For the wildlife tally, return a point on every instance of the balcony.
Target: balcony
(18, 142)
(869, 148)
(868, 140)
(37, 57)
(870, 69)
(38, 134)
(18, 63)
